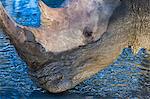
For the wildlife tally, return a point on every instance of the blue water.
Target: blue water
(123, 78)
(24, 12)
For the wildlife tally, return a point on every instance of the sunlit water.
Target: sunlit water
(124, 78)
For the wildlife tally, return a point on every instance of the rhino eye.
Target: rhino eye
(87, 32)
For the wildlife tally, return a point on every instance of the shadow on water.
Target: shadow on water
(128, 76)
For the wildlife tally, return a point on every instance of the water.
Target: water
(54, 3)
(13, 71)
(123, 78)
(126, 77)
(24, 12)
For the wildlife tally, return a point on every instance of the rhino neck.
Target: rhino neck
(138, 7)
(139, 16)
(131, 20)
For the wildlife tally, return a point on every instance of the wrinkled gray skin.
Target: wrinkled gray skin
(79, 23)
(99, 12)
(128, 26)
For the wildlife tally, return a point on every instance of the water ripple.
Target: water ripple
(13, 71)
(124, 78)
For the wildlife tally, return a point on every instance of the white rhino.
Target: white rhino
(75, 42)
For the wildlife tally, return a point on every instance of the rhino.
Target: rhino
(78, 40)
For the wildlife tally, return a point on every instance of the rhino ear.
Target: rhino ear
(50, 14)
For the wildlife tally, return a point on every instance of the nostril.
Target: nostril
(87, 32)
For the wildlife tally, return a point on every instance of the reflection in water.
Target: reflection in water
(128, 76)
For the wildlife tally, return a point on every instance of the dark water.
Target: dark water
(124, 78)
(54, 3)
